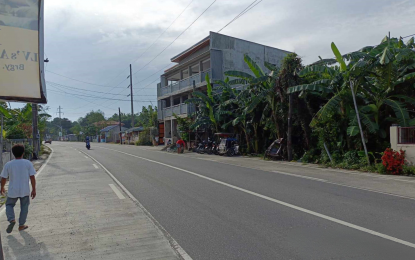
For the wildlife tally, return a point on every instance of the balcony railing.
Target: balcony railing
(180, 109)
(184, 83)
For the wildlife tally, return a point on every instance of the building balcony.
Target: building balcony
(184, 84)
(181, 109)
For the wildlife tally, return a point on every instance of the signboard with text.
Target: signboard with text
(21, 51)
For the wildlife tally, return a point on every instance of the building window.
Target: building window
(167, 100)
(185, 74)
(176, 101)
(205, 65)
(195, 69)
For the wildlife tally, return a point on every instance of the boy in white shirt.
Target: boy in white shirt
(19, 171)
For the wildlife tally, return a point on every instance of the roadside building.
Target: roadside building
(132, 135)
(211, 56)
(72, 137)
(111, 134)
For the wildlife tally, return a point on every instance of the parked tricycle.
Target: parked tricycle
(228, 145)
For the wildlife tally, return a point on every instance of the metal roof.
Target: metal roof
(135, 129)
(108, 128)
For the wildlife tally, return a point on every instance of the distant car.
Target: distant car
(48, 141)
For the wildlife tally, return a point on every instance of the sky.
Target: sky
(94, 41)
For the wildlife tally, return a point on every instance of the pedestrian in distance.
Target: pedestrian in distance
(19, 172)
(180, 145)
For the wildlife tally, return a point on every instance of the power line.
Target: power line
(164, 31)
(78, 80)
(240, 14)
(408, 36)
(175, 38)
(158, 37)
(81, 89)
(91, 96)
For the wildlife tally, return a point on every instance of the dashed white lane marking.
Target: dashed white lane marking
(172, 241)
(87, 157)
(119, 194)
(310, 212)
(96, 166)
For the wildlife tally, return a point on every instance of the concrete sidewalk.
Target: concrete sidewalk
(81, 213)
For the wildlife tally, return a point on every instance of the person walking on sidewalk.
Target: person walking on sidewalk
(19, 171)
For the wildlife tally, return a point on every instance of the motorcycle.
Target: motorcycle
(209, 146)
(201, 147)
(88, 146)
(215, 148)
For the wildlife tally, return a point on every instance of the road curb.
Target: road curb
(173, 243)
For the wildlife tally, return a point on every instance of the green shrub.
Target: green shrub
(28, 151)
(351, 157)
(408, 170)
(380, 168)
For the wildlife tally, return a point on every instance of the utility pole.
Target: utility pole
(290, 126)
(59, 112)
(60, 121)
(119, 116)
(132, 100)
(35, 131)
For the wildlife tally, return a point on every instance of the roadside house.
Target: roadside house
(111, 134)
(133, 134)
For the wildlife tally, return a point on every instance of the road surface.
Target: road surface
(220, 211)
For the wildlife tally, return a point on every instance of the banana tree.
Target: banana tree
(263, 88)
(392, 66)
(3, 111)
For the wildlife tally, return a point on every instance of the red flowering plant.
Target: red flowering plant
(393, 161)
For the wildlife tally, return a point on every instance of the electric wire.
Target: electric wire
(158, 37)
(240, 14)
(148, 63)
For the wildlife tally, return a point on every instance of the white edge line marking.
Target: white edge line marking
(338, 221)
(343, 185)
(172, 241)
(96, 166)
(316, 179)
(119, 194)
(37, 176)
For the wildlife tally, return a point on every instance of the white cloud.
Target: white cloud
(94, 40)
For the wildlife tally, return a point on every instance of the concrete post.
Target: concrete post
(394, 137)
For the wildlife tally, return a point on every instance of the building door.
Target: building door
(161, 133)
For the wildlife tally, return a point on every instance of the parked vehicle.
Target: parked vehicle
(48, 141)
(201, 147)
(215, 148)
(209, 146)
(229, 147)
(275, 150)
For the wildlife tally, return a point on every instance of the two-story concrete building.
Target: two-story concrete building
(213, 55)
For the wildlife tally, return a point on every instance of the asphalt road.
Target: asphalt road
(220, 211)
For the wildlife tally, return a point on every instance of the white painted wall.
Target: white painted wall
(408, 148)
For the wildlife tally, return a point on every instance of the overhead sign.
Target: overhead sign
(21, 51)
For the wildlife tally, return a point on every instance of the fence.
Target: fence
(6, 149)
(406, 135)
